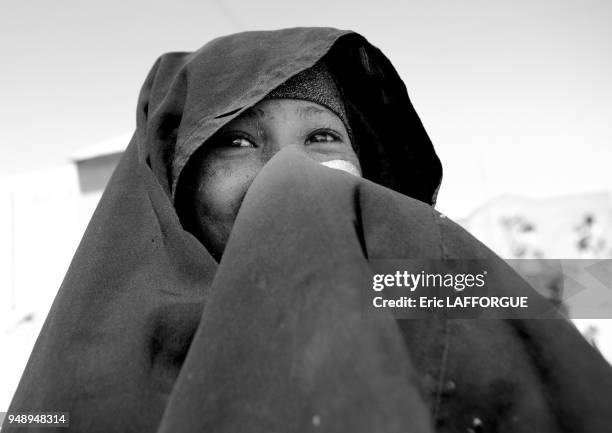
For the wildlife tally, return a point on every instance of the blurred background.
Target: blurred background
(516, 96)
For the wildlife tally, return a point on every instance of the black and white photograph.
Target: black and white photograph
(227, 216)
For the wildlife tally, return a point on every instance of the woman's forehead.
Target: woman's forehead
(296, 108)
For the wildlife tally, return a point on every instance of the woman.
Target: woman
(306, 112)
(217, 287)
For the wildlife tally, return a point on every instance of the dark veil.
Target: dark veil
(149, 333)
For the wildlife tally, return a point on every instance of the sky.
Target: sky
(515, 95)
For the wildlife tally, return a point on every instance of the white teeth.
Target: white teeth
(341, 164)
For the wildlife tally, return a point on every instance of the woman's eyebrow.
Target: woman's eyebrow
(253, 117)
(254, 113)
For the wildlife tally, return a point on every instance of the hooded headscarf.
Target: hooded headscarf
(149, 334)
(189, 96)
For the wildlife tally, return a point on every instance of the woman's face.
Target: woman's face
(235, 154)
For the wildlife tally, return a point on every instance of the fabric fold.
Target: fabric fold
(283, 344)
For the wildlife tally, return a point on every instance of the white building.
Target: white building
(43, 215)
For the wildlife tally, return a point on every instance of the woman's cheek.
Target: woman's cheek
(224, 188)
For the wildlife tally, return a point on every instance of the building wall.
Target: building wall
(43, 216)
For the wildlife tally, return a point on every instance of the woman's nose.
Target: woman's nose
(273, 148)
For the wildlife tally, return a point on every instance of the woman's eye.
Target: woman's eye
(323, 137)
(240, 142)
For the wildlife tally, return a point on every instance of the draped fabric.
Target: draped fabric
(149, 333)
